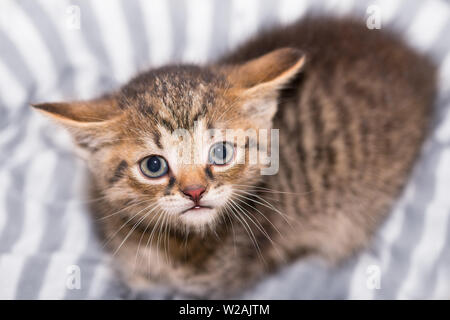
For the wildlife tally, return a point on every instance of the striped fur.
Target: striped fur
(343, 123)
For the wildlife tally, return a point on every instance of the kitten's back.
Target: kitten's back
(351, 126)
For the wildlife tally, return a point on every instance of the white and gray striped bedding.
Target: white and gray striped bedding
(44, 224)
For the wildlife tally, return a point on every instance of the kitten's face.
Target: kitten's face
(173, 154)
(172, 147)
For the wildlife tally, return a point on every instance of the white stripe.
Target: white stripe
(337, 7)
(159, 28)
(359, 288)
(29, 42)
(431, 18)
(199, 27)
(291, 10)
(389, 9)
(11, 267)
(117, 44)
(11, 91)
(442, 290)
(244, 21)
(56, 275)
(432, 241)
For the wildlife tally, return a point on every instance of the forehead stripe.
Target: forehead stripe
(119, 172)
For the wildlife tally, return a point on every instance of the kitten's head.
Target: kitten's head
(161, 146)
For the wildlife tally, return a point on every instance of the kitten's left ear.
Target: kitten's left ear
(89, 122)
(260, 81)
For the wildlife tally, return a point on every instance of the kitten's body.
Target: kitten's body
(351, 125)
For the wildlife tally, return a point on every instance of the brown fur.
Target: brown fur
(351, 119)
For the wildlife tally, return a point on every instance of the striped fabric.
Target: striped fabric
(46, 55)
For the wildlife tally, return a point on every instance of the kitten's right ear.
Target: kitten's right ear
(80, 113)
(260, 80)
(89, 122)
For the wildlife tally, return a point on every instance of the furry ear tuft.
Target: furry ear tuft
(89, 122)
(97, 110)
(275, 68)
(260, 80)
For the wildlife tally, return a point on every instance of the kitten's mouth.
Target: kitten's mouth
(196, 208)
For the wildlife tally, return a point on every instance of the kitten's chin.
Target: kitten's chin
(200, 218)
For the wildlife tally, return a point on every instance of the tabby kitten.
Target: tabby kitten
(351, 105)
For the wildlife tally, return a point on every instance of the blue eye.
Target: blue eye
(221, 153)
(154, 166)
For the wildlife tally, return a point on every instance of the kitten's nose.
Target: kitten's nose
(194, 192)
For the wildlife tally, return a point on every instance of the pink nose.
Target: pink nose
(194, 192)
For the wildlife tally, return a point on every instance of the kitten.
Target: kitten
(351, 105)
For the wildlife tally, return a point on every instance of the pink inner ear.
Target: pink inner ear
(279, 66)
(97, 110)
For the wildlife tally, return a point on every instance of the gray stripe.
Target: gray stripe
(267, 14)
(179, 21)
(136, 30)
(14, 197)
(442, 110)
(115, 290)
(21, 118)
(4, 115)
(220, 37)
(14, 210)
(311, 278)
(29, 280)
